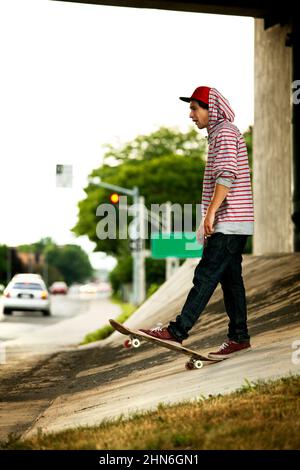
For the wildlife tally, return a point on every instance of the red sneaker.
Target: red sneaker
(228, 349)
(161, 333)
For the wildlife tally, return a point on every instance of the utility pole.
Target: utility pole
(139, 289)
(141, 277)
(171, 263)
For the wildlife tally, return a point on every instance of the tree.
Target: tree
(166, 165)
(67, 263)
(71, 261)
(248, 135)
(10, 264)
(122, 273)
(3, 264)
(163, 142)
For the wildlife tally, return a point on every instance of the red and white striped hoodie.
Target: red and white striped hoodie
(227, 164)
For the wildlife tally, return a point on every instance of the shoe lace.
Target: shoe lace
(224, 346)
(158, 327)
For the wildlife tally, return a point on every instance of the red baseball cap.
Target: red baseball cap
(200, 94)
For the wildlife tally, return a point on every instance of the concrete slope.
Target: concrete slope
(272, 285)
(105, 380)
(141, 381)
(112, 380)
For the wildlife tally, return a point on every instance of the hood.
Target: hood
(219, 110)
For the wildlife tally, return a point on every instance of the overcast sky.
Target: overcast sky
(75, 77)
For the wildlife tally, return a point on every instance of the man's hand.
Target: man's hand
(209, 222)
(219, 195)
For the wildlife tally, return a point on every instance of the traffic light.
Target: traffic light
(114, 198)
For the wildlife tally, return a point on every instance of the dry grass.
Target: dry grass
(261, 416)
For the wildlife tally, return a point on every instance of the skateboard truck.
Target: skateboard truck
(193, 364)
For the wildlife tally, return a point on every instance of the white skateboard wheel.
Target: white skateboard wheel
(198, 364)
(136, 343)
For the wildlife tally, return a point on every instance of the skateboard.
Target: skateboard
(195, 361)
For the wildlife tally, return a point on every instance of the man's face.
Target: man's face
(198, 115)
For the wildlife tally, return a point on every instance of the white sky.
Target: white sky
(74, 77)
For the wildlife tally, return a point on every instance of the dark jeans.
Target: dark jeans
(221, 262)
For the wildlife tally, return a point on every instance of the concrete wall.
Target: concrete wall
(272, 150)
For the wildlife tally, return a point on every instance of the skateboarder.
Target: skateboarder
(227, 221)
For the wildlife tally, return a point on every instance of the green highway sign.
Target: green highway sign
(175, 245)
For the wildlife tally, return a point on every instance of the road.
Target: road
(63, 307)
(26, 334)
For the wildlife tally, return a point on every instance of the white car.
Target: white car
(26, 292)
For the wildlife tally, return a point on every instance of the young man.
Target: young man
(227, 221)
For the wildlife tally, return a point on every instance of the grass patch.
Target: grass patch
(264, 415)
(107, 330)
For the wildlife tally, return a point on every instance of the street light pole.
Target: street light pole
(137, 255)
(141, 279)
(171, 263)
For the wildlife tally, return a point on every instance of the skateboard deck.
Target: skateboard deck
(135, 337)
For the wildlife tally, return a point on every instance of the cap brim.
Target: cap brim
(184, 98)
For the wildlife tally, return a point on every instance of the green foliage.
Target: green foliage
(155, 271)
(152, 288)
(122, 273)
(248, 135)
(166, 165)
(53, 274)
(64, 263)
(107, 330)
(246, 387)
(248, 248)
(98, 335)
(9, 261)
(3, 264)
(158, 144)
(71, 261)
(37, 247)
